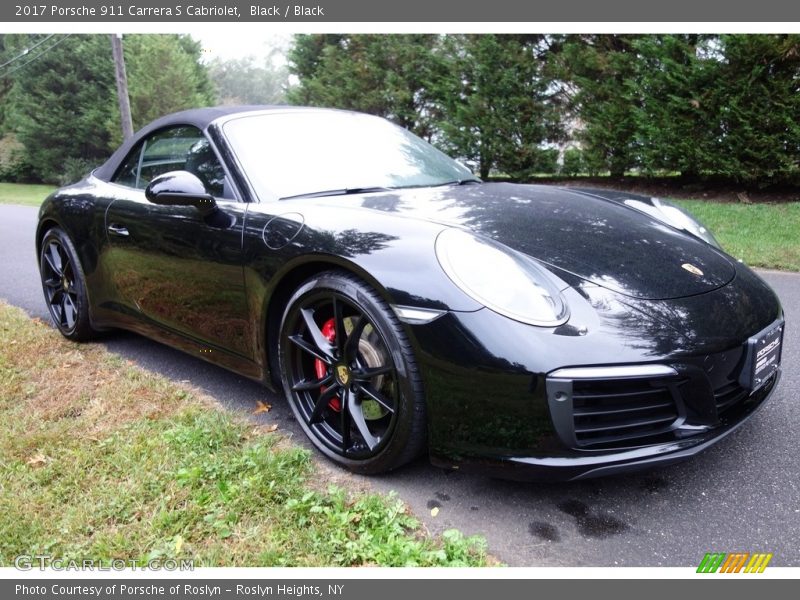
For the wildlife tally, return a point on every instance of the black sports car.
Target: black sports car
(404, 305)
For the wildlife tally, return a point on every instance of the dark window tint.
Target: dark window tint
(176, 149)
(127, 173)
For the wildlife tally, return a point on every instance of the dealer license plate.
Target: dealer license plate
(765, 355)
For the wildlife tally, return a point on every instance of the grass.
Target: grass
(24, 194)
(762, 235)
(101, 459)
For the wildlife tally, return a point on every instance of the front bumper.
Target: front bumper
(592, 421)
(588, 464)
(492, 397)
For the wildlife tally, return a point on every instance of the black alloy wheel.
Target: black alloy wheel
(350, 375)
(64, 286)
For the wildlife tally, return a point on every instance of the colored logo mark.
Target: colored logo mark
(736, 562)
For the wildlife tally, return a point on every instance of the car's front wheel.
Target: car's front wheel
(350, 375)
(64, 286)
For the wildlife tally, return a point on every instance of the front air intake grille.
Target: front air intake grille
(732, 395)
(619, 410)
(621, 407)
(729, 396)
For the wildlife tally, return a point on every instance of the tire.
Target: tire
(64, 286)
(358, 397)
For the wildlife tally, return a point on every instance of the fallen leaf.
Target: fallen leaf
(262, 407)
(271, 428)
(178, 544)
(434, 511)
(38, 460)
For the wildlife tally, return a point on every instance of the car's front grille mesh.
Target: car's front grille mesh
(612, 411)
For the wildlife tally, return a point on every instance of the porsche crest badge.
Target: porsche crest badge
(692, 269)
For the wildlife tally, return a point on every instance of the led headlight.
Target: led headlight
(677, 217)
(505, 281)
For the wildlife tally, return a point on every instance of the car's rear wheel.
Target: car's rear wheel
(64, 286)
(350, 375)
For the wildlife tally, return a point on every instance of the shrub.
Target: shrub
(573, 162)
(14, 166)
(74, 170)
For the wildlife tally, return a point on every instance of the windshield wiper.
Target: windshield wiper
(373, 189)
(339, 192)
(466, 181)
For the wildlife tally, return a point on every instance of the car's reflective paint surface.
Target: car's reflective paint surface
(237, 283)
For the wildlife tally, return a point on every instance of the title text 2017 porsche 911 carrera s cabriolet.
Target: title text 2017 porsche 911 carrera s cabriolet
(405, 306)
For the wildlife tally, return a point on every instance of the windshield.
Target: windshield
(286, 154)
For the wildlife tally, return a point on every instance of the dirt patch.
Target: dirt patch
(55, 379)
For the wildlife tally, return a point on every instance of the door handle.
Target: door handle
(118, 230)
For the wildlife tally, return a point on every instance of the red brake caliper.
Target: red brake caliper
(329, 331)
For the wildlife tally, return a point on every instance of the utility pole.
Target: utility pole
(122, 86)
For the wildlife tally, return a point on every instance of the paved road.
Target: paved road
(742, 495)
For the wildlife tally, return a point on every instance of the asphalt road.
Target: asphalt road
(741, 495)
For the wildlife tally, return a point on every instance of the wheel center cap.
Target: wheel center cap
(342, 374)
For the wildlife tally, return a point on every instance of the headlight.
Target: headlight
(505, 281)
(670, 214)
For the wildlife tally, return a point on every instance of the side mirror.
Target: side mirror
(180, 188)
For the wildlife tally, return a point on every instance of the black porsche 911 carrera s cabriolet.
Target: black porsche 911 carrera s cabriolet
(405, 306)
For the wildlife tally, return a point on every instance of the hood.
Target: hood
(595, 239)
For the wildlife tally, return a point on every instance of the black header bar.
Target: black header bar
(386, 589)
(405, 11)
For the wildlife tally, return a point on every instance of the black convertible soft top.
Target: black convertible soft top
(198, 117)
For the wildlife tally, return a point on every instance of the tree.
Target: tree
(756, 134)
(164, 76)
(13, 166)
(61, 103)
(573, 162)
(482, 97)
(384, 75)
(497, 107)
(599, 73)
(674, 114)
(725, 106)
(6, 56)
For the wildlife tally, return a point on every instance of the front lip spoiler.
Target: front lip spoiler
(586, 466)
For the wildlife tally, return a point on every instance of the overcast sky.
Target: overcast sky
(232, 44)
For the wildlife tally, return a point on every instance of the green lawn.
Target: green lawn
(101, 459)
(25, 194)
(762, 235)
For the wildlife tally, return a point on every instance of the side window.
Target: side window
(128, 172)
(176, 149)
